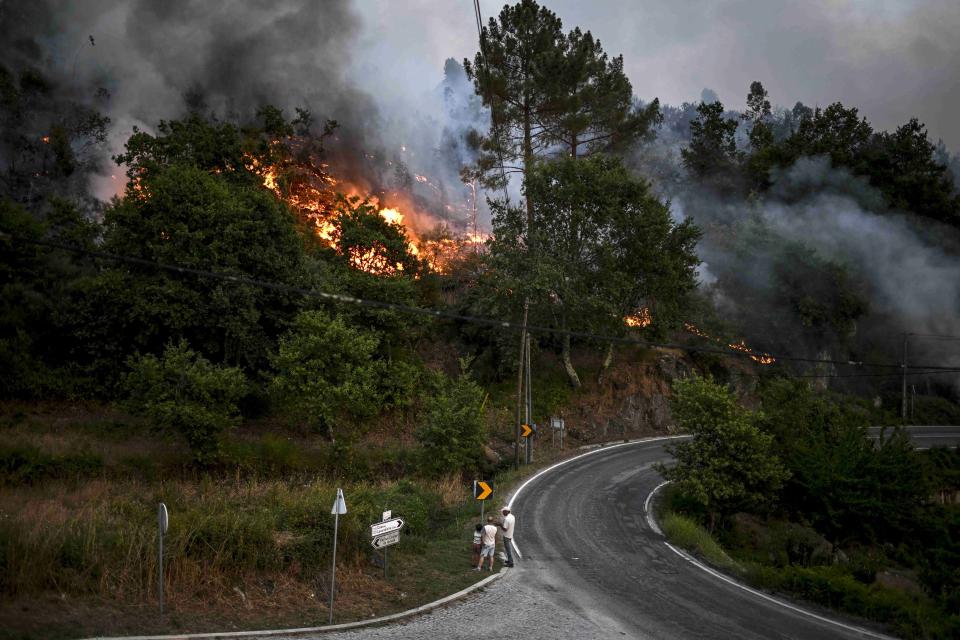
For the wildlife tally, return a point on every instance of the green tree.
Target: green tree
(609, 248)
(591, 104)
(452, 434)
(712, 154)
(761, 136)
(183, 392)
(729, 465)
(328, 373)
(836, 131)
(512, 74)
(847, 486)
(36, 298)
(904, 166)
(184, 215)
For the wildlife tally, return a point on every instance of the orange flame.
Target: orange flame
(741, 346)
(643, 318)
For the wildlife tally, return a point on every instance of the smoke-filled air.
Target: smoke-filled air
(256, 256)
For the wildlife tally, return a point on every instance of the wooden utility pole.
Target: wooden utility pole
(520, 403)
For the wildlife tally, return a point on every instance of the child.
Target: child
(477, 533)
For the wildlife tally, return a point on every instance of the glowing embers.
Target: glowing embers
(759, 357)
(642, 318)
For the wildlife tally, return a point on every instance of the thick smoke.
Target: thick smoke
(159, 59)
(908, 269)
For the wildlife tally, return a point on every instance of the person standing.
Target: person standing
(488, 539)
(507, 525)
(477, 543)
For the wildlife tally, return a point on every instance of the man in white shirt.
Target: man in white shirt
(509, 521)
(488, 538)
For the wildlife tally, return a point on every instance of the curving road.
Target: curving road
(593, 568)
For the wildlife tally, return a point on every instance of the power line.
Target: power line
(933, 336)
(449, 315)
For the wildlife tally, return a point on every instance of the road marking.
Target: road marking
(760, 594)
(582, 455)
(683, 554)
(646, 507)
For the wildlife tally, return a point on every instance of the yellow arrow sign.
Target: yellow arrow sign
(525, 430)
(482, 490)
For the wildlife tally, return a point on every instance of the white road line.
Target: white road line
(683, 554)
(582, 455)
(783, 604)
(646, 507)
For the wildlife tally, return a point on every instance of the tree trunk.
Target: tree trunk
(568, 363)
(528, 166)
(607, 361)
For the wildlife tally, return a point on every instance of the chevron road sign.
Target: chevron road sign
(482, 490)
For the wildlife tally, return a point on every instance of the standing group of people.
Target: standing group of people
(485, 539)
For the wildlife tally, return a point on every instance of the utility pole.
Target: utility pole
(903, 408)
(529, 404)
(523, 348)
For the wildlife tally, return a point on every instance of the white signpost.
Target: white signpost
(163, 522)
(339, 508)
(386, 533)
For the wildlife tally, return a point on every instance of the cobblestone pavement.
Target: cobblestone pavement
(510, 607)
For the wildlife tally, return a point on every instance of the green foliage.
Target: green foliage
(36, 287)
(730, 464)
(835, 587)
(687, 533)
(590, 106)
(452, 434)
(903, 165)
(604, 247)
(327, 373)
(183, 392)
(848, 487)
(514, 78)
(184, 215)
(712, 154)
(28, 465)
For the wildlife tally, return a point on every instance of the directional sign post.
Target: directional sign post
(526, 431)
(482, 491)
(385, 533)
(385, 540)
(339, 507)
(379, 528)
(163, 522)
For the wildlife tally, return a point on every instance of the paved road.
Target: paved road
(926, 437)
(593, 568)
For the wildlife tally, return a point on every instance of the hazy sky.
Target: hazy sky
(893, 60)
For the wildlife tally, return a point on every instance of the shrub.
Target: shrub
(729, 464)
(452, 434)
(29, 465)
(327, 373)
(185, 393)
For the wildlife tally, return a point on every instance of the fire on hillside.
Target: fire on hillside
(317, 196)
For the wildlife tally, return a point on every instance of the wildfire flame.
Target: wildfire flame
(642, 318)
(741, 346)
(316, 202)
